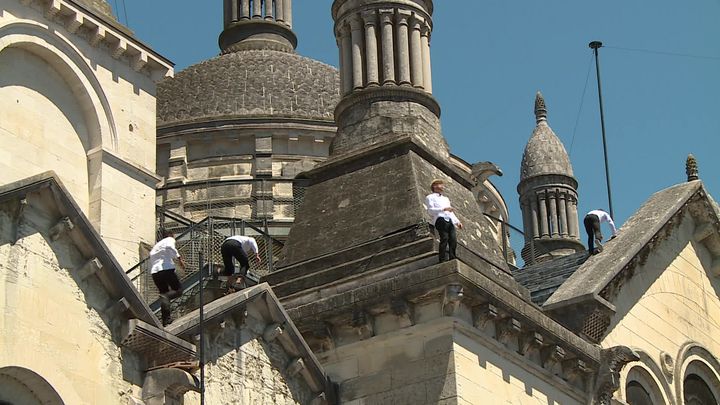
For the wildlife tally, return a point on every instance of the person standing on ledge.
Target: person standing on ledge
(443, 219)
(162, 261)
(592, 222)
(238, 246)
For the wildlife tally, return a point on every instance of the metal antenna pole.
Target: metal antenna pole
(594, 45)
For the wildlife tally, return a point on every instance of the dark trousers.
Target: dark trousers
(592, 227)
(169, 286)
(448, 239)
(232, 248)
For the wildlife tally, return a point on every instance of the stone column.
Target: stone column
(555, 232)
(244, 9)
(356, 32)
(257, 9)
(544, 232)
(425, 44)
(526, 216)
(562, 208)
(346, 74)
(388, 53)
(269, 10)
(229, 12)
(403, 47)
(287, 12)
(534, 218)
(371, 53)
(574, 228)
(416, 59)
(279, 11)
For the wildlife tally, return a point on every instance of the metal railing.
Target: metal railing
(203, 239)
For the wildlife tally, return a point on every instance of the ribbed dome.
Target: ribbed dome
(544, 153)
(250, 84)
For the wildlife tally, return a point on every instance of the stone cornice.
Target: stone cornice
(99, 30)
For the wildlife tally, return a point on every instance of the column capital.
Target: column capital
(403, 16)
(425, 29)
(355, 23)
(386, 15)
(417, 21)
(369, 17)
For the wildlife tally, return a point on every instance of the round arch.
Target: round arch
(26, 386)
(649, 375)
(67, 60)
(693, 359)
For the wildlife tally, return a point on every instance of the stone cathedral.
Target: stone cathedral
(102, 141)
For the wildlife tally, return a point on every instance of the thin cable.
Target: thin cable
(684, 55)
(582, 100)
(127, 23)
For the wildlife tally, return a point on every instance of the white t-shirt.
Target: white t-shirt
(604, 217)
(248, 243)
(162, 255)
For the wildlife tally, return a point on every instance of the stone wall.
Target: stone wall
(241, 368)
(88, 110)
(671, 301)
(441, 362)
(50, 324)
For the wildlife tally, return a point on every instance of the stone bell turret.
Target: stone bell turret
(548, 194)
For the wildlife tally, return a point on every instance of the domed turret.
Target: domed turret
(548, 194)
(233, 131)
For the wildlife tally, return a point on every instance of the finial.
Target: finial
(540, 109)
(691, 168)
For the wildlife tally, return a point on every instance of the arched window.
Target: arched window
(642, 387)
(697, 392)
(637, 394)
(22, 386)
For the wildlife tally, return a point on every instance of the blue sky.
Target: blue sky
(491, 56)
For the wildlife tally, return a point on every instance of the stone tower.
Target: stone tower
(548, 194)
(235, 130)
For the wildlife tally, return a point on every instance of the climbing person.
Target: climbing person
(443, 219)
(238, 247)
(162, 261)
(592, 222)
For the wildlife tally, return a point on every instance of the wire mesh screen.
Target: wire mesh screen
(203, 215)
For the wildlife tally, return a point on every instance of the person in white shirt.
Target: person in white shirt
(443, 219)
(592, 222)
(238, 246)
(162, 268)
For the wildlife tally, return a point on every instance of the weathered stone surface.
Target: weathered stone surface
(255, 83)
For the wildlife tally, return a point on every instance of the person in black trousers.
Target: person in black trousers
(444, 219)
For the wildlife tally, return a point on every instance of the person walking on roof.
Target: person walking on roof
(162, 261)
(592, 222)
(444, 219)
(238, 246)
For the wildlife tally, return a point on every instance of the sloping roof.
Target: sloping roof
(544, 278)
(51, 194)
(599, 270)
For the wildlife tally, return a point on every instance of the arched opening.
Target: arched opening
(52, 102)
(697, 391)
(641, 387)
(22, 386)
(637, 394)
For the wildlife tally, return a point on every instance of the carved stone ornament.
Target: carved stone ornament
(612, 361)
(667, 364)
(691, 168)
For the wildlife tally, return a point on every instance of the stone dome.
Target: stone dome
(250, 84)
(544, 153)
